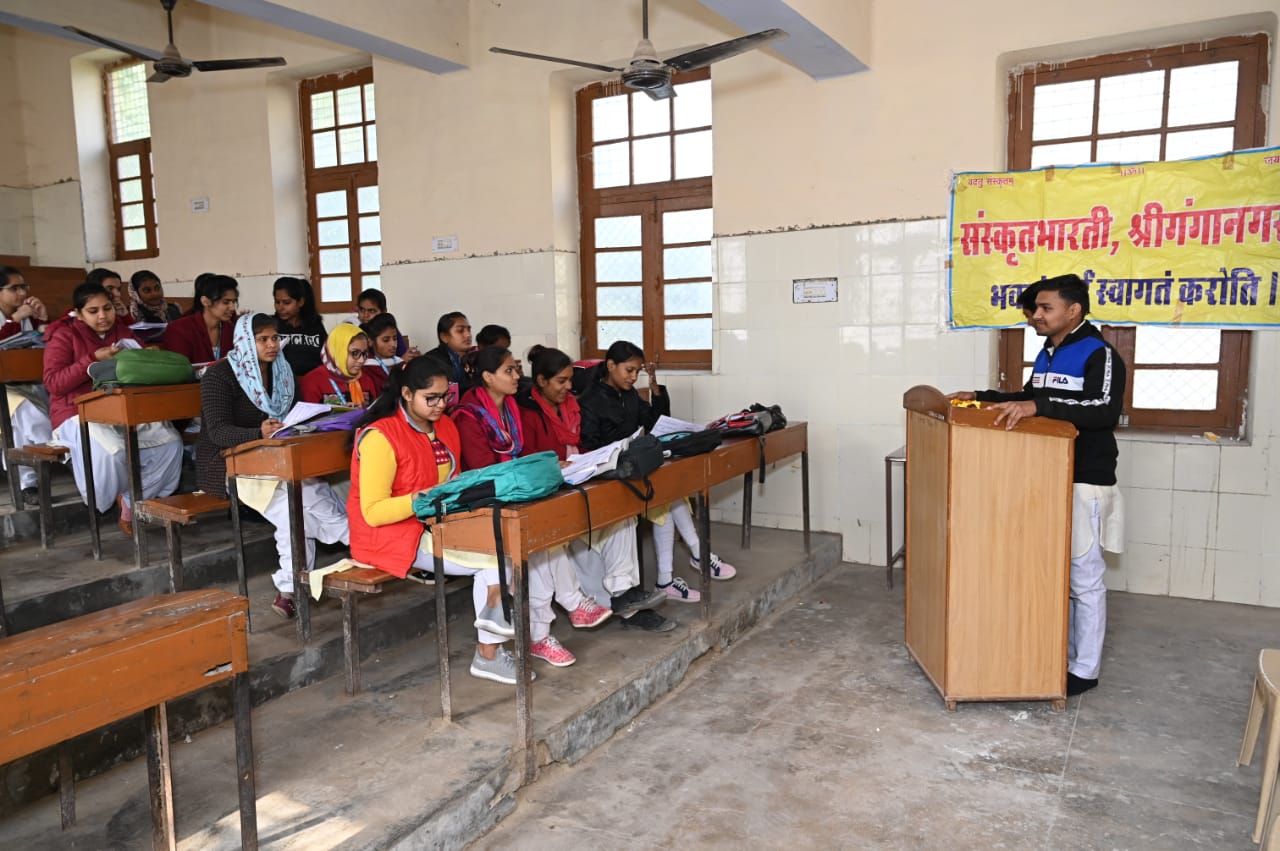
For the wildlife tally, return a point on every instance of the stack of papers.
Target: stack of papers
(300, 413)
(670, 425)
(588, 465)
(22, 340)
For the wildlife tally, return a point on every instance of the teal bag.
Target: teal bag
(519, 480)
(142, 367)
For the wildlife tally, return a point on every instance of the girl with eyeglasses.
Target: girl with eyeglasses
(243, 398)
(207, 334)
(405, 446)
(28, 403)
(341, 378)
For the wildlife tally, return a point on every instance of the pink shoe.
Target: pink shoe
(589, 614)
(719, 569)
(552, 651)
(678, 589)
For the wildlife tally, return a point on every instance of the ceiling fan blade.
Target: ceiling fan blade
(704, 56)
(521, 53)
(667, 91)
(237, 64)
(114, 45)
(158, 77)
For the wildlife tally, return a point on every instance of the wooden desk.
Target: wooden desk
(130, 407)
(537, 526)
(289, 460)
(745, 456)
(70, 678)
(17, 366)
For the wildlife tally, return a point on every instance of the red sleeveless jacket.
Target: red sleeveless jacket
(394, 547)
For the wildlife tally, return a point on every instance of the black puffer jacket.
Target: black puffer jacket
(609, 414)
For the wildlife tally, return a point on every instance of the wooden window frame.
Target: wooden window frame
(1250, 132)
(117, 151)
(340, 177)
(650, 201)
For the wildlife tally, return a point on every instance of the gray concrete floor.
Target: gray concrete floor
(819, 731)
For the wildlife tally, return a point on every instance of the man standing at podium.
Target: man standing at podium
(1080, 378)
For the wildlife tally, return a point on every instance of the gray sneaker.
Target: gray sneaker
(491, 619)
(501, 668)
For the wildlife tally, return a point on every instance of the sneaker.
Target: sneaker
(125, 519)
(284, 606)
(634, 599)
(678, 589)
(589, 614)
(501, 668)
(31, 497)
(719, 569)
(552, 651)
(649, 621)
(491, 619)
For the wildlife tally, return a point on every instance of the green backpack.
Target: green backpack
(133, 367)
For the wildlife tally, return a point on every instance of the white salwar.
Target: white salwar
(611, 565)
(1097, 523)
(324, 518)
(30, 425)
(160, 456)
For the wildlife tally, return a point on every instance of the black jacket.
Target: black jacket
(302, 344)
(1083, 382)
(609, 414)
(457, 374)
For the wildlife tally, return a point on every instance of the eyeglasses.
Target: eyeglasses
(18, 288)
(358, 354)
(435, 400)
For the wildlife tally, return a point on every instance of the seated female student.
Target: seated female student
(454, 332)
(148, 299)
(612, 410)
(301, 328)
(489, 428)
(341, 378)
(243, 398)
(116, 290)
(385, 338)
(90, 334)
(551, 422)
(371, 303)
(21, 312)
(405, 445)
(207, 332)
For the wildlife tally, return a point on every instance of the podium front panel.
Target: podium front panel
(926, 542)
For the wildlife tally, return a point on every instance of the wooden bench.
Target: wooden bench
(350, 585)
(41, 456)
(70, 678)
(174, 512)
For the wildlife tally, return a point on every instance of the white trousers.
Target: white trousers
(542, 570)
(1087, 619)
(324, 517)
(664, 538)
(30, 425)
(161, 467)
(611, 565)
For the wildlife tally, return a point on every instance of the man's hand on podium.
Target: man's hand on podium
(962, 395)
(1010, 413)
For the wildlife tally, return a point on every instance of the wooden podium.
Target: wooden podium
(988, 538)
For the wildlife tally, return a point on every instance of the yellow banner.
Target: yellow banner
(1193, 242)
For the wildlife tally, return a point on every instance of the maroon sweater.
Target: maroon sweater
(68, 353)
(190, 337)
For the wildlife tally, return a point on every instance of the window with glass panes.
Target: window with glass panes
(1163, 104)
(644, 181)
(133, 195)
(344, 226)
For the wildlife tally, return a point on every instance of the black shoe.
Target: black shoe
(648, 620)
(1079, 685)
(31, 497)
(634, 599)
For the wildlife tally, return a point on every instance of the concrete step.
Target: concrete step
(381, 770)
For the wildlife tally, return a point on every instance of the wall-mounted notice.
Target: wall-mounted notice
(813, 290)
(199, 205)
(444, 244)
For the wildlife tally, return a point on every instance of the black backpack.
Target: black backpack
(640, 458)
(683, 444)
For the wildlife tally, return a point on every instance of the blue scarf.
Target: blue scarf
(248, 371)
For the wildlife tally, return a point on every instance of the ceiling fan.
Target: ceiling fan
(651, 75)
(170, 63)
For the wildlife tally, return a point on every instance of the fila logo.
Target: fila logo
(1060, 380)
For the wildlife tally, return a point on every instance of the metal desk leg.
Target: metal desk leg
(888, 519)
(298, 541)
(704, 551)
(804, 484)
(442, 627)
(4, 620)
(244, 763)
(159, 777)
(90, 491)
(6, 435)
(746, 511)
(524, 669)
(133, 460)
(233, 493)
(173, 539)
(66, 786)
(641, 525)
(43, 479)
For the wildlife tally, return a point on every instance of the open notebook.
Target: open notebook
(305, 417)
(588, 465)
